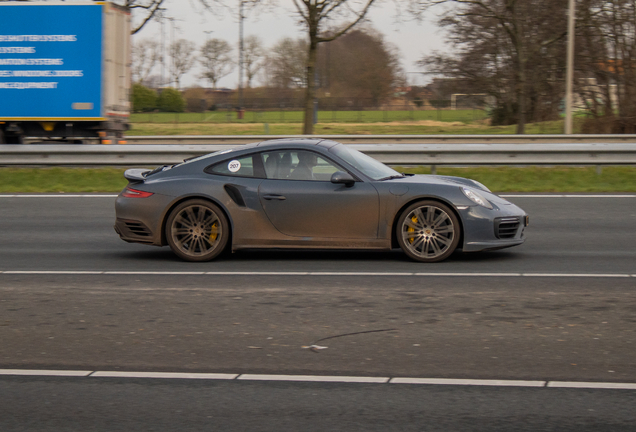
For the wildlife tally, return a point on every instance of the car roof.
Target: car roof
(297, 141)
(264, 146)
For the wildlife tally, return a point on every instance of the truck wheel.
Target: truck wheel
(14, 139)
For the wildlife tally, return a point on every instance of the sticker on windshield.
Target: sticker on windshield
(234, 166)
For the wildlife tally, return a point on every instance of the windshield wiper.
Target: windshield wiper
(392, 177)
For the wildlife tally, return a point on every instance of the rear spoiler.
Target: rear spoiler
(136, 175)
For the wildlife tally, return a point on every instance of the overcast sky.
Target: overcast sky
(412, 39)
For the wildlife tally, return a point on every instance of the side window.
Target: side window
(246, 166)
(298, 165)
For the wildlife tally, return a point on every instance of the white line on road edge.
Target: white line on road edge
(257, 273)
(591, 385)
(59, 196)
(470, 382)
(568, 196)
(318, 378)
(32, 372)
(314, 378)
(178, 375)
(503, 196)
(599, 275)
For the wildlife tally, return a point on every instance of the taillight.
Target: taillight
(134, 193)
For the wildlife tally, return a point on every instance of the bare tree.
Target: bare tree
(286, 64)
(606, 64)
(316, 15)
(148, 9)
(521, 31)
(182, 58)
(216, 60)
(252, 57)
(370, 74)
(145, 55)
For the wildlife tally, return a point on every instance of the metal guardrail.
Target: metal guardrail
(386, 139)
(394, 154)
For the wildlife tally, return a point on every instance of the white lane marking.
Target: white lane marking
(314, 378)
(177, 375)
(471, 274)
(360, 274)
(568, 196)
(52, 272)
(501, 195)
(599, 275)
(318, 378)
(592, 385)
(470, 382)
(32, 372)
(246, 273)
(58, 196)
(152, 273)
(307, 273)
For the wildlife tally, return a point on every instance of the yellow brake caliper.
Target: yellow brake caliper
(214, 232)
(411, 229)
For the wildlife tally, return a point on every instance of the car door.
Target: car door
(300, 200)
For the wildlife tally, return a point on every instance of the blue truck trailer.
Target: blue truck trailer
(64, 71)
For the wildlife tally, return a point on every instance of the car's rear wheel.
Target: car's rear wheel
(197, 230)
(428, 231)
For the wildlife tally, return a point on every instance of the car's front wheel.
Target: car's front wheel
(428, 231)
(197, 230)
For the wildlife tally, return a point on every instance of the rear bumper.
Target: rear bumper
(139, 220)
(134, 231)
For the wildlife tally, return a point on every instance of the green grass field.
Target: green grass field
(283, 116)
(499, 179)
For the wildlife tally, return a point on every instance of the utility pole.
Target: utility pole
(240, 82)
(161, 17)
(172, 65)
(570, 68)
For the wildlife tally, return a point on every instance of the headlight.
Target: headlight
(476, 197)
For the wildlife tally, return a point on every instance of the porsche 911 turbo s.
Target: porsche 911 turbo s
(310, 193)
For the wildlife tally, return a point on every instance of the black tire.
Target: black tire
(14, 139)
(197, 230)
(428, 231)
(2, 140)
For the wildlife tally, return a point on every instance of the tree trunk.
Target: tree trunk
(521, 95)
(310, 93)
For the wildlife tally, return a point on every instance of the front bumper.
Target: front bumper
(499, 228)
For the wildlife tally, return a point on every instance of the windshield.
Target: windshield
(365, 164)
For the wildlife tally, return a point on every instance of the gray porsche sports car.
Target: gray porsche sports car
(310, 193)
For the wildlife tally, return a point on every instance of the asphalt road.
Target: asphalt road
(114, 405)
(560, 307)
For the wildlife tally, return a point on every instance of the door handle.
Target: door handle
(274, 197)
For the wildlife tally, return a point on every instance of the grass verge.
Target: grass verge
(499, 179)
(424, 127)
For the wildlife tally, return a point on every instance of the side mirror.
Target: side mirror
(341, 177)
